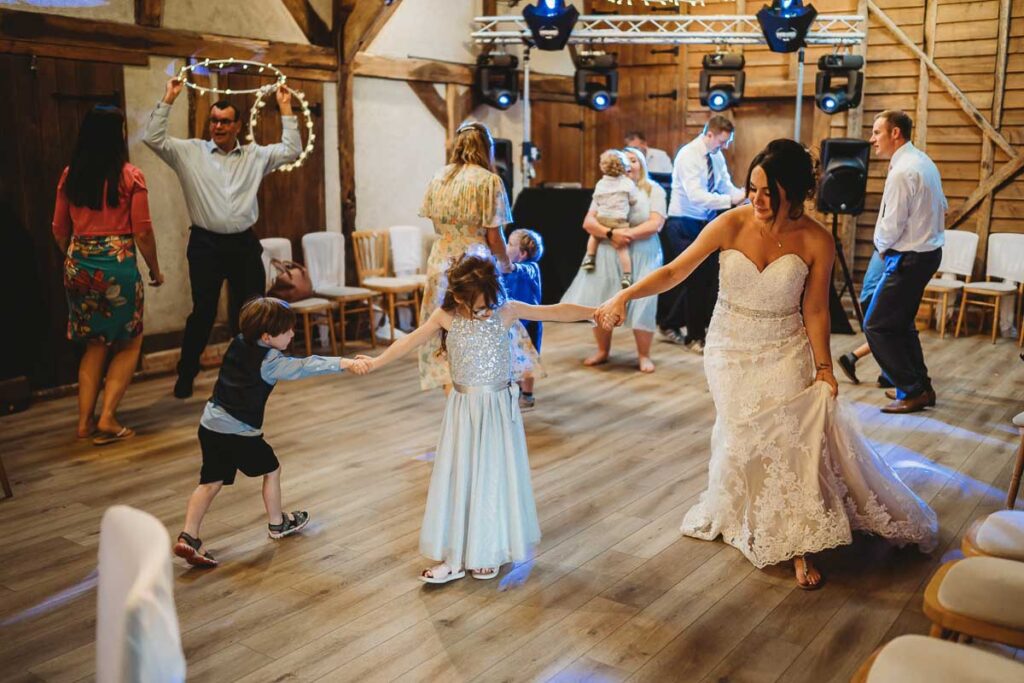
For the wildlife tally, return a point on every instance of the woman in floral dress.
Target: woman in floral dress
(100, 217)
(467, 203)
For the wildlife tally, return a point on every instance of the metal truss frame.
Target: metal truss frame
(827, 29)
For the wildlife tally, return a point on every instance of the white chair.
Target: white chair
(957, 260)
(407, 252)
(1000, 534)
(325, 260)
(137, 632)
(1005, 261)
(281, 249)
(977, 597)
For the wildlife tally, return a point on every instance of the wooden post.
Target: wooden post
(451, 100)
(923, 79)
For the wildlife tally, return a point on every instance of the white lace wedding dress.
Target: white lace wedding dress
(790, 471)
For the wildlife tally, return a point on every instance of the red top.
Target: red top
(130, 216)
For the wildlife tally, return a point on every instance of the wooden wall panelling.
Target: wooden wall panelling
(53, 96)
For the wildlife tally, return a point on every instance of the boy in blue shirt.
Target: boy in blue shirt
(525, 248)
(231, 429)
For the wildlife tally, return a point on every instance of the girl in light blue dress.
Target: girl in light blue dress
(480, 509)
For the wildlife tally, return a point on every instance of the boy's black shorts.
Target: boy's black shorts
(224, 454)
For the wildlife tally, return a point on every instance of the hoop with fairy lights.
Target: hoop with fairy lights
(255, 68)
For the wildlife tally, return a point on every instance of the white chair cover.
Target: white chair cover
(274, 247)
(920, 659)
(1006, 256)
(958, 253)
(325, 259)
(406, 249)
(137, 633)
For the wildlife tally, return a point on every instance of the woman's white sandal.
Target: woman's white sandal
(452, 574)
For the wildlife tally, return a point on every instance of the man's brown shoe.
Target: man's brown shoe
(908, 405)
(930, 393)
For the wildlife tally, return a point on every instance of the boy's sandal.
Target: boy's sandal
(485, 574)
(298, 520)
(187, 548)
(106, 438)
(441, 573)
(805, 585)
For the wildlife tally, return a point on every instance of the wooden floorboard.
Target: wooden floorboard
(614, 592)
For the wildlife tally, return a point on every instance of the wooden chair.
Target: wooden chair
(917, 658)
(1005, 261)
(1018, 467)
(4, 481)
(325, 261)
(1000, 534)
(371, 252)
(957, 260)
(314, 307)
(959, 600)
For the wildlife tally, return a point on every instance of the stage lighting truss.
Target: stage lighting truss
(596, 80)
(826, 29)
(832, 98)
(722, 81)
(497, 81)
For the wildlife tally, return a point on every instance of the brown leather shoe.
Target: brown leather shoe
(908, 405)
(930, 393)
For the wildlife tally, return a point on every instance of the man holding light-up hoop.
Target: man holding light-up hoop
(220, 179)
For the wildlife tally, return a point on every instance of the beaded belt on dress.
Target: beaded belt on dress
(481, 388)
(755, 313)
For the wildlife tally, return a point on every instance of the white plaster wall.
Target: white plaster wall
(332, 171)
(168, 306)
(102, 10)
(398, 148)
(266, 19)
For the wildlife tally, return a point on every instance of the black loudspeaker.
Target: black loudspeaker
(844, 177)
(503, 163)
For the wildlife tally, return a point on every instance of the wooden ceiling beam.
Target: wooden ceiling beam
(33, 27)
(310, 23)
(149, 12)
(364, 20)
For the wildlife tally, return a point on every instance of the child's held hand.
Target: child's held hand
(362, 365)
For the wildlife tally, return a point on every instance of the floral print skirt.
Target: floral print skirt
(104, 289)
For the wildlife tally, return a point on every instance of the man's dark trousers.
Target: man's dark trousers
(889, 320)
(212, 258)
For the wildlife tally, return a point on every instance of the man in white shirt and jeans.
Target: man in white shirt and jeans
(701, 189)
(909, 234)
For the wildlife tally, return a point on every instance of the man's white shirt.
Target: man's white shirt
(912, 215)
(690, 195)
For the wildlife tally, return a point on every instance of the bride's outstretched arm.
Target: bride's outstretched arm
(710, 239)
(816, 309)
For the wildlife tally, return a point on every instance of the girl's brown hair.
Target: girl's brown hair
(265, 314)
(473, 144)
(468, 278)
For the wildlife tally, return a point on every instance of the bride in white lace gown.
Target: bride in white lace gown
(790, 472)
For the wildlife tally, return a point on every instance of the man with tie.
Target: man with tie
(701, 188)
(909, 235)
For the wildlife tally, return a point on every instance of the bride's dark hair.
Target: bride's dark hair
(788, 165)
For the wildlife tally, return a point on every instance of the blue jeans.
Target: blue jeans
(873, 275)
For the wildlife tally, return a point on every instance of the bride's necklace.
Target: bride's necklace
(771, 239)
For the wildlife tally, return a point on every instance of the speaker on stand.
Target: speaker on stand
(841, 191)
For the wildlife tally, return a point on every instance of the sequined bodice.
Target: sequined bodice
(478, 350)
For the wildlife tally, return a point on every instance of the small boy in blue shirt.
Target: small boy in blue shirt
(525, 248)
(231, 429)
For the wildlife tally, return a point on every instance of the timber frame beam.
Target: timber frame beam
(149, 12)
(54, 33)
(310, 23)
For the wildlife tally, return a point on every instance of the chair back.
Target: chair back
(274, 248)
(406, 249)
(137, 632)
(324, 253)
(1006, 256)
(958, 253)
(371, 252)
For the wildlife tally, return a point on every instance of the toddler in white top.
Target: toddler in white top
(614, 193)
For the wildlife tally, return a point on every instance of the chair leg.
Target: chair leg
(995, 318)
(4, 481)
(306, 328)
(369, 312)
(960, 316)
(391, 315)
(1011, 493)
(416, 310)
(341, 326)
(942, 315)
(330, 331)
